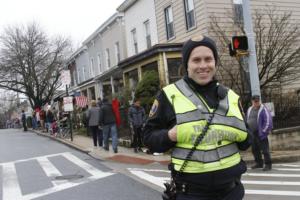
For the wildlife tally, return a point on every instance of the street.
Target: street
(35, 167)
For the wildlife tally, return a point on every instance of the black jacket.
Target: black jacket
(162, 118)
(107, 115)
(136, 116)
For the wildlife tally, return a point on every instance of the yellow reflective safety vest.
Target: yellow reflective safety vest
(218, 149)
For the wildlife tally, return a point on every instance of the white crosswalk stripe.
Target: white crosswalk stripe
(10, 184)
(285, 183)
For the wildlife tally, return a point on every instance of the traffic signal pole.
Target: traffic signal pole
(252, 61)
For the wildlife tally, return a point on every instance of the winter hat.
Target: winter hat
(255, 97)
(189, 45)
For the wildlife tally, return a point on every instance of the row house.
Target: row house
(148, 35)
(179, 20)
(145, 52)
(94, 66)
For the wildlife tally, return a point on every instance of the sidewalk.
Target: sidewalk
(126, 155)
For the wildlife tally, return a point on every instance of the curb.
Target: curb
(127, 143)
(72, 145)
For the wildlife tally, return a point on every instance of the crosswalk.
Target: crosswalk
(282, 182)
(11, 189)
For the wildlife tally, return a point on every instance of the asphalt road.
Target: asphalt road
(35, 167)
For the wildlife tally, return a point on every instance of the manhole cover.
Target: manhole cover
(69, 177)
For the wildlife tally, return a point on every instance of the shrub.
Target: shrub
(147, 89)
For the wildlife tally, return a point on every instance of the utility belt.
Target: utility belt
(193, 189)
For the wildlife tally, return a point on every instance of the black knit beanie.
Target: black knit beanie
(189, 45)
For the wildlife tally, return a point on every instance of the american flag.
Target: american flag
(81, 101)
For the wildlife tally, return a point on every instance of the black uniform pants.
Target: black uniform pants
(260, 147)
(24, 125)
(97, 135)
(236, 193)
(137, 137)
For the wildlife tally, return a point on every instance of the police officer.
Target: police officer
(180, 114)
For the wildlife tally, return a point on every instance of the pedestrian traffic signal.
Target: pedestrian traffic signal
(240, 43)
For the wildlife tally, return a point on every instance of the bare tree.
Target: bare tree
(31, 62)
(277, 38)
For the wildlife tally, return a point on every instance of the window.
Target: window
(147, 33)
(83, 73)
(238, 17)
(189, 14)
(169, 22)
(134, 40)
(107, 58)
(78, 74)
(91, 72)
(99, 63)
(117, 51)
(74, 78)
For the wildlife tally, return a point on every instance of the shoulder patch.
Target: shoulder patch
(153, 108)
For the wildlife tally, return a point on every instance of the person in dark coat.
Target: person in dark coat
(137, 117)
(24, 120)
(93, 117)
(109, 127)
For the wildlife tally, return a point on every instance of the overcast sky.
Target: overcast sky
(75, 18)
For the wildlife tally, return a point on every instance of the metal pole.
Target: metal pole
(69, 117)
(252, 62)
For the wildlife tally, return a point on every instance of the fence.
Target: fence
(287, 116)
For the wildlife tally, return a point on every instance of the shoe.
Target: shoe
(140, 149)
(135, 150)
(106, 148)
(256, 166)
(115, 150)
(267, 168)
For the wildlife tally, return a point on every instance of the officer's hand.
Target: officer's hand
(172, 133)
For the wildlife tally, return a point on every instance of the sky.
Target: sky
(76, 19)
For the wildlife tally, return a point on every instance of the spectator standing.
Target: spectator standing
(83, 117)
(109, 127)
(49, 119)
(93, 118)
(99, 102)
(34, 120)
(137, 117)
(42, 119)
(116, 108)
(260, 123)
(23, 117)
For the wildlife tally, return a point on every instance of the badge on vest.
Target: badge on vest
(153, 108)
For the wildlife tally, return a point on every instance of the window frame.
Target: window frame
(168, 13)
(117, 52)
(147, 33)
(107, 58)
(134, 40)
(189, 15)
(99, 63)
(92, 72)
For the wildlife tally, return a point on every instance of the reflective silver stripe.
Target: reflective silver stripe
(187, 91)
(206, 156)
(196, 115)
(190, 94)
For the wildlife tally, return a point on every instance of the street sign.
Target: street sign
(66, 77)
(68, 104)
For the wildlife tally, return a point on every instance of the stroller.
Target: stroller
(54, 128)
